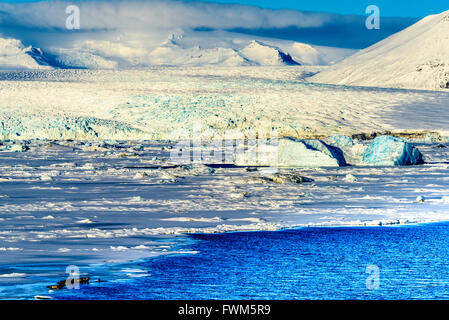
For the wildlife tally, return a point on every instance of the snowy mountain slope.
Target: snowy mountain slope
(416, 58)
(14, 55)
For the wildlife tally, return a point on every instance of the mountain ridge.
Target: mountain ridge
(180, 49)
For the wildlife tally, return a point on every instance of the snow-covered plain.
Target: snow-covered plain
(95, 183)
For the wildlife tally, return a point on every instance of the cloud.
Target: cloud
(157, 14)
(43, 23)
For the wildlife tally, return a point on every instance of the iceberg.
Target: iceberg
(391, 151)
(291, 152)
(352, 150)
(18, 148)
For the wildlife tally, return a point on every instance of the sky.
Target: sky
(336, 23)
(389, 8)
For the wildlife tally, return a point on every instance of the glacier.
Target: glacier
(154, 104)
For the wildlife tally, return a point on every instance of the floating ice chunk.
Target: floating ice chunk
(137, 275)
(119, 248)
(12, 275)
(187, 219)
(140, 175)
(46, 178)
(391, 151)
(141, 247)
(350, 178)
(87, 220)
(18, 148)
(420, 199)
(308, 153)
(135, 199)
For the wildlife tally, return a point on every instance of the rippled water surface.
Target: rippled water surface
(308, 263)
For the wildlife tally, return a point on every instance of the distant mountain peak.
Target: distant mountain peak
(265, 54)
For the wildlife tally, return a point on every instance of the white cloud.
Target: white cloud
(158, 14)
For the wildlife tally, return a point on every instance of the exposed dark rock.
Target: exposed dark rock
(62, 284)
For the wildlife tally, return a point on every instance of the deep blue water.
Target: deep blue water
(309, 263)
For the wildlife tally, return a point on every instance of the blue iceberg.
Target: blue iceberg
(391, 151)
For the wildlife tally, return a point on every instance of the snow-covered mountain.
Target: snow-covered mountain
(190, 48)
(264, 54)
(14, 55)
(172, 53)
(415, 58)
